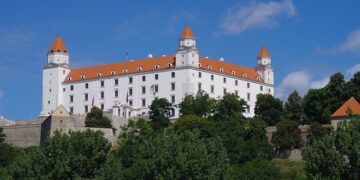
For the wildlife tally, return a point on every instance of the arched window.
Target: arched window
(157, 66)
(221, 70)
(244, 75)
(113, 73)
(209, 67)
(233, 73)
(82, 76)
(139, 68)
(98, 74)
(125, 71)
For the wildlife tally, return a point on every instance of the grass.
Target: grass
(290, 169)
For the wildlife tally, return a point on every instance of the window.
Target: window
(248, 109)
(173, 86)
(269, 90)
(116, 82)
(244, 75)
(224, 91)
(199, 74)
(112, 73)
(86, 96)
(71, 98)
(102, 106)
(261, 88)
(102, 94)
(212, 88)
(172, 74)
(212, 77)
(172, 112)
(49, 90)
(130, 102)
(82, 76)
(248, 96)
(63, 89)
(71, 87)
(86, 85)
(209, 67)
(86, 108)
(169, 65)
(248, 85)
(69, 78)
(172, 98)
(224, 80)
(157, 66)
(71, 110)
(116, 93)
(237, 92)
(221, 69)
(199, 87)
(130, 80)
(125, 71)
(98, 74)
(102, 83)
(233, 72)
(199, 65)
(48, 102)
(143, 102)
(143, 78)
(130, 91)
(143, 89)
(156, 76)
(156, 88)
(236, 82)
(139, 68)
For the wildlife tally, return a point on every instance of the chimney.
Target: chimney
(150, 56)
(221, 59)
(163, 55)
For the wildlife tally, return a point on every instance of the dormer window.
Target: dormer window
(258, 78)
(98, 74)
(139, 68)
(244, 75)
(125, 71)
(233, 73)
(82, 76)
(113, 73)
(169, 65)
(69, 78)
(157, 66)
(209, 67)
(199, 65)
(221, 70)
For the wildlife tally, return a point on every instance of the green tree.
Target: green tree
(255, 169)
(268, 108)
(335, 92)
(317, 131)
(293, 108)
(2, 136)
(160, 112)
(96, 119)
(228, 106)
(201, 106)
(315, 107)
(191, 122)
(287, 135)
(352, 87)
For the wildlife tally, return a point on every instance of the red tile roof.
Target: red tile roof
(58, 45)
(264, 53)
(343, 110)
(148, 64)
(187, 34)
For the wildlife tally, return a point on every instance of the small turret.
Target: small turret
(264, 67)
(187, 54)
(58, 54)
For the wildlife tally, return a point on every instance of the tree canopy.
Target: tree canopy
(268, 108)
(96, 118)
(160, 112)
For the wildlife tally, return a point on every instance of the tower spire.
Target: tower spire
(58, 45)
(264, 53)
(187, 34)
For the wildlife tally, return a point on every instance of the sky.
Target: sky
(307, 40)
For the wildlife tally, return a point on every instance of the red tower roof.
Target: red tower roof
(58, 45)
(264, 53)
(187, 34)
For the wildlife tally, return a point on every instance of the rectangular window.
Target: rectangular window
(248, 96)
(173, 99)
(86, 109)
(156, 88)
(212, 77)
(156, 76)
(71, 110)
(102, 83)
(71, 98)
(143, 78)
(224, 80)
(102, 94)
(199, 74)
(261, 88)
(199, 87)
(86, 85)
(237, 92)
(173, 86)
(130, 102)
(172, 112)
(269, 90)
(64, 89)
(248, 109)
(143, 102)
(130, 91)
(143, 89)
(224, 91)
(116, 82)
(86, 96)
(212, 88)
(172, 74)
(102, 106)
(130, 80)
(116, 93)
(71, 87)
(248, 85)
(236, 82)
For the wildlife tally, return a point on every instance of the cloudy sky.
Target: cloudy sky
(308, 40)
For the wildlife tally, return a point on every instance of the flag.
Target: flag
(127, 54)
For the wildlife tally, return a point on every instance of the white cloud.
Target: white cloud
(255, 15)
(350, 44)
(300, 81)
(352, 70)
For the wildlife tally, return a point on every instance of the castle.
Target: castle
(126, 89)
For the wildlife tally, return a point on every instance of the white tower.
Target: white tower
(54, 73)
(187, 54)
(264, 67)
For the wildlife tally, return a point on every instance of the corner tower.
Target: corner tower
(264, 67)
(54, 73)
(187, 54)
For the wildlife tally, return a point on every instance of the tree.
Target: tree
(229, 106)
(317, 131)
(160, 112)
(200, 105)
(179, 156)
(191, 122)
(255, 169)
(96, 119)
(268, 108)
(2, 136)
(315, 107)
(287, 135)
(292, 108)
(335, 92)
(352, 87)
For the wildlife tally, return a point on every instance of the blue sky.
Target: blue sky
(308, 40)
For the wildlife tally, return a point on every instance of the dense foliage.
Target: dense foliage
(95, 118)
(160, 112)
(268, 108)
(287, 135)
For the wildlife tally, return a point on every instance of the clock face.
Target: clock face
(189, 43)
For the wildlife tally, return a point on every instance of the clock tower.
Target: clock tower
(187, 54)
